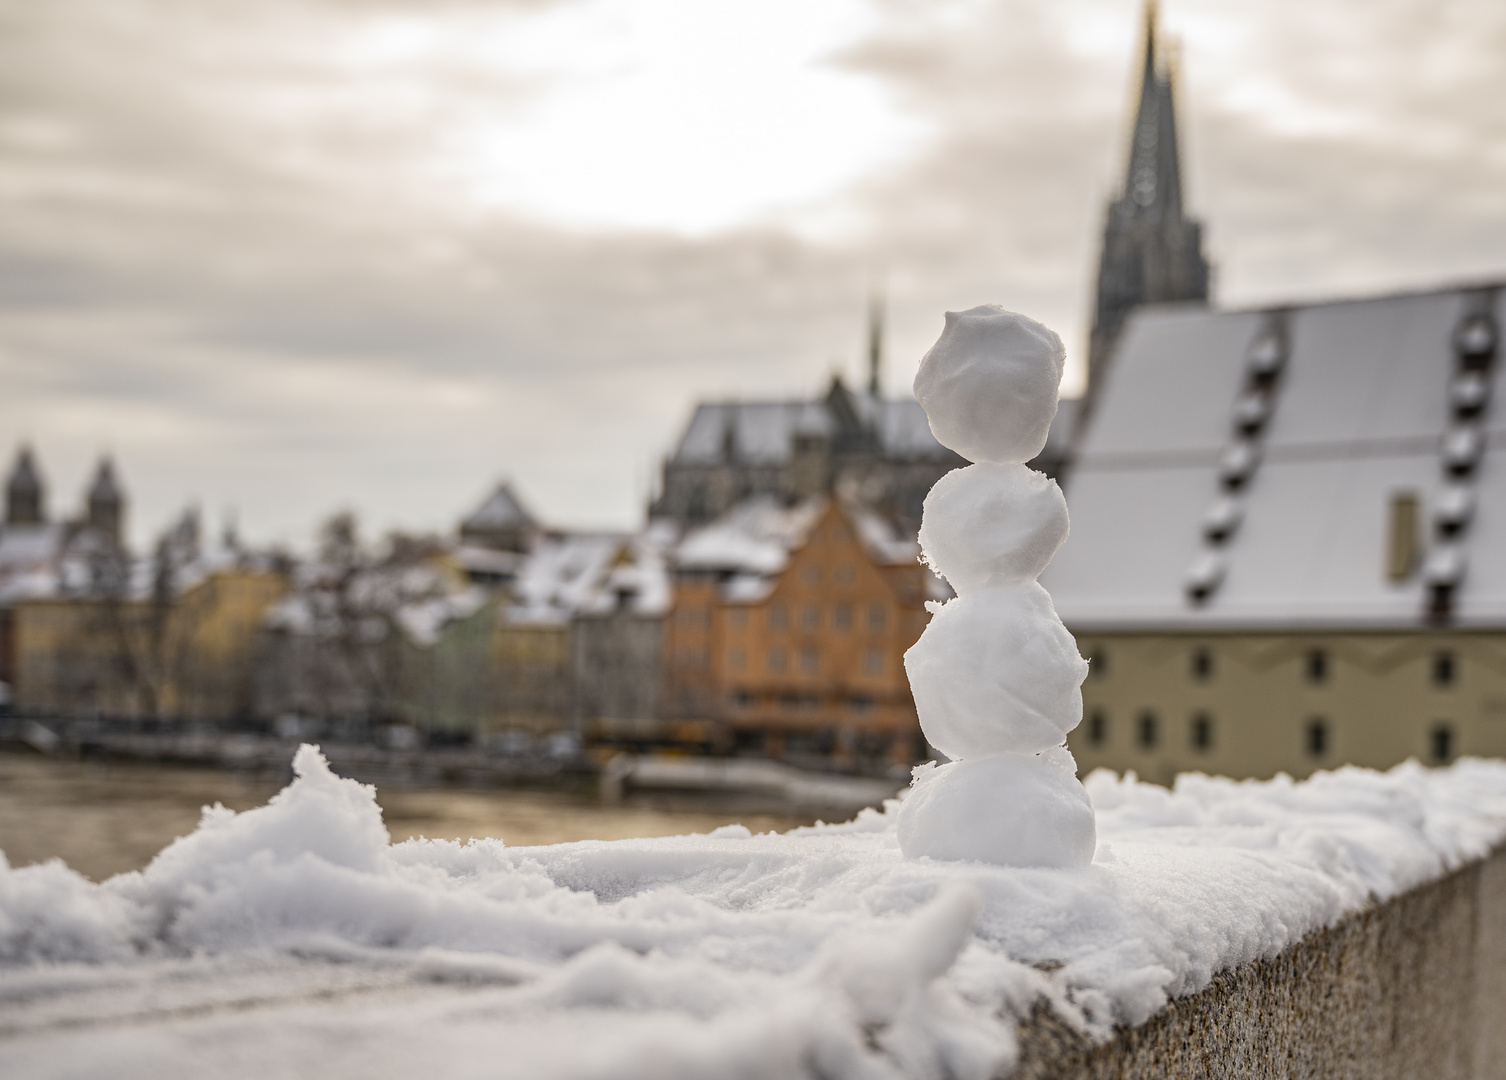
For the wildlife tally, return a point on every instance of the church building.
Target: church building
(1288, 545)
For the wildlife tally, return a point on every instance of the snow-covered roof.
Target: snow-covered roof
(502, 510)
(1360, 412)
(762, 432)
(573, 574)
(755, 537)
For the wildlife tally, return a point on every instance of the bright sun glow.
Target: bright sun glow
(665, 114)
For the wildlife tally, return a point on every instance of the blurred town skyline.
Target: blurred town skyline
(379, 255)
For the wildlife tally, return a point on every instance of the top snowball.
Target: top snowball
(989, 384)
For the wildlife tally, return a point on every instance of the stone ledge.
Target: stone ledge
(1414, 987)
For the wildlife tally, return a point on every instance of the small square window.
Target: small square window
(1443, 669)
(1098, 727)
(810, 617)
(1317, 737)
(777, 659)
(1317, 666)
(808, 661)
(876, 617)
(778, 617)
(1098, 662)
(841, 616)
(1201, 731)
(1149, 730)
(811, 575)
(1441, 740)
(1201, 664)
(844, 575)
(873, 662)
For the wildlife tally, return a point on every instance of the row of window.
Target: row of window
(842, 575)
(778, 617)
(1316, 734)
(797, 702)
(809, 659)
(1316, 667)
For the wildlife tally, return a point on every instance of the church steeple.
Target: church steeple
(1152, 252)
(106, 502)
(25, 494)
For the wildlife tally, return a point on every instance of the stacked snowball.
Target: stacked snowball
(996, 676)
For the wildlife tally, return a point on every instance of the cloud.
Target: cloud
(251, 248)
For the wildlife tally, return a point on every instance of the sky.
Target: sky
(297, 256)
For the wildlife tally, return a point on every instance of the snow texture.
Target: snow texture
(295, 939)
(1002, 524)
(996, 676)
(996, 672)
(989, 384)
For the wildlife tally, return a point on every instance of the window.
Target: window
(742, 699)
(810, 617)
(1148, 730)
(1098, 727)
(876, 617)
(1201, 731)
(1098, 662)
(860, 703)
(808, 661)
(873, 662)
(738, 619)
(778, 617)
(1317, 666)
(1442, 740)
(776, 659)
(737, 659)
(1317, 737)
(841, 616)
(1443, 669)
(1201, 664)
(811, 575)
(844, 575)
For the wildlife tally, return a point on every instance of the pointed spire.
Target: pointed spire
(875, 339)
(25, 494)
(1152, 252)
(106, 502)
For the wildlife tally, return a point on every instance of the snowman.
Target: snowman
(996, 676)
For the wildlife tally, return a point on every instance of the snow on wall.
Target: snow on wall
(295, 939)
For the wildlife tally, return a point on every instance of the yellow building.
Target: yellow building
(190, 656)
(1288, 544)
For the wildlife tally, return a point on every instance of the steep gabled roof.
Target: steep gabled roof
(501, 510)
(1361, 413)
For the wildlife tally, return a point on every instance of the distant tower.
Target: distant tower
(1152, 252)
(25, 495)
(875, 340)
(106, 502)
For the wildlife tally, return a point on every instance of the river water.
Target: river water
(103, 818)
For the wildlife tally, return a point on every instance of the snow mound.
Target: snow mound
(996, 672)
(989, 384)
(294, 939)
(992, 525)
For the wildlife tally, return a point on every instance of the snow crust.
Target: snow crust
(989, 384)
(996, 676)
(295, 939)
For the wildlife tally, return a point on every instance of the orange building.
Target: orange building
(789, 627)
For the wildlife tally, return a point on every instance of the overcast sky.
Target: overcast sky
(296, 255)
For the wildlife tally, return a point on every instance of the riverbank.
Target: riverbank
(106, 817)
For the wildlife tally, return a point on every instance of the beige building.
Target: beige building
(1288, 544)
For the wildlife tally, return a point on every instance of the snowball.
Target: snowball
(1009, 809)
(989, 384)
(992, 524)
(996, 672)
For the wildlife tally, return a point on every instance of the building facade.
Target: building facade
(788, 631)
(1288, 544)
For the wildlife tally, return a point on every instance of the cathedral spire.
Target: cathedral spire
(1152, 252)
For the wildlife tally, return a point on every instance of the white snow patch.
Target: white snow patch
(296, 939)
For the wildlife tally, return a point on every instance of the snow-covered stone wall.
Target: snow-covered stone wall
(295, 939)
